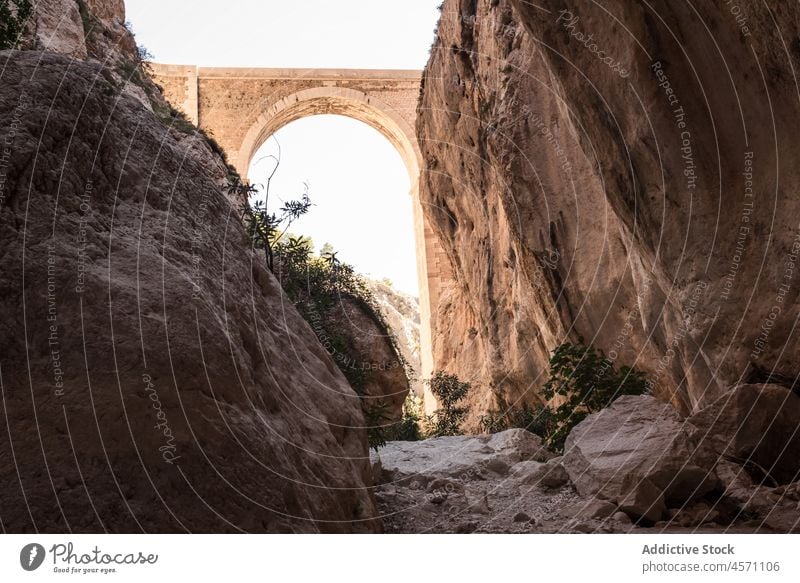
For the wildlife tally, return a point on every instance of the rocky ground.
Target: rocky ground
(648, 476)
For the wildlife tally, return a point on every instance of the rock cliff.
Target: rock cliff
(154, 376)
(81, 29)
(622, 172)
(401, 312)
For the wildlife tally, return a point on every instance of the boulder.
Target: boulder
(550, 475)
(621, 517)
(757, 426)
(521, 517)
(459, 457)
(637, 453)
(644, 501)
(592, 508)
(597, 508)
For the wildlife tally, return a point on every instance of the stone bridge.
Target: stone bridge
(241, 108)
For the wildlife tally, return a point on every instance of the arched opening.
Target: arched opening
(359, 186)
(393, 126)
(336, 101)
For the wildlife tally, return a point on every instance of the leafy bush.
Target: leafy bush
(583, 381)
(13, 21)
(266, 228)
(409, 426)
(317, 284)
(538, 420)
(376, 416)
(449, 391)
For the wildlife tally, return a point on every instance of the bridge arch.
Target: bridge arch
(334, 101)
(241, 108)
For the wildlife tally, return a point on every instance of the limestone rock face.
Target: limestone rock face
(154, 376)
(756, 425)
(59, 28)
(637, 454)
(401, 312)
(643, 201)
(375, 368)
(85, 28)
(458, 457)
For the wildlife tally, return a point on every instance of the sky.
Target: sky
(357, 180)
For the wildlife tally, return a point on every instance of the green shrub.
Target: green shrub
(409, 426)
(538, 420)
(583, 381)
(13, 22)
(317, 284)
(376, 416)
(449, 391)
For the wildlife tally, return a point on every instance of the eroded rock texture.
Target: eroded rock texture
(636, 187)
(81, 29)
(367, 355)
(154, 376)
(505, 483)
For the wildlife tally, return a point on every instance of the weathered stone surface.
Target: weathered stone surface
(521, 517)
(621, 517)
(596, 508)
(547, 475)
(636, 453)
(89, 28)
(430, 487)
(755, 424)
(458, 457)
(566, 207)
(402, 313)
(643, 501)
(377, 371)
(59, 28)
(154, 376)
(107, 37)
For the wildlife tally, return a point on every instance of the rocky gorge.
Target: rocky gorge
(622, 175)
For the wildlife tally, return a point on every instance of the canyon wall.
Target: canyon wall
(81, 29)
(625, 173)
(154, 376)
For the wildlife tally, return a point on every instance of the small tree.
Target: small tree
(538, 420)
(266, 229)
(378, 429)
(449, 391)
(408, 428)
(13, 21)
(583, 381)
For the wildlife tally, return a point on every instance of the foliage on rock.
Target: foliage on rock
(319, 284)
(450, 392)
(14, 15)
(582, 381)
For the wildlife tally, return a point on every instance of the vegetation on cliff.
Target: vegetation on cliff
(583, 380)
(14, 15)
(323, 288)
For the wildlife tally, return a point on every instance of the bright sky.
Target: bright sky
(357, 179)
(360, 190)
